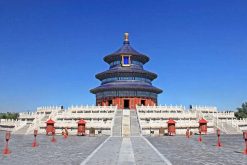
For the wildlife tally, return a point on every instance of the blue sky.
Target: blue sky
(51, 50)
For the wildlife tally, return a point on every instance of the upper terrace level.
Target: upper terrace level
(80, 111)
(91, 109)
(87, 112)
(160, 108)
(49, 109)
(203, 109)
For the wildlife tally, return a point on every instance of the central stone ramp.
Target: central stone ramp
(145, 153)
(108, 153)
(126, 151)
(134, 124)
(126, 123)
(126, 155)
(117, 123)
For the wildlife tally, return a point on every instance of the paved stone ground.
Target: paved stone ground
(108, 154)
(144, 154)
(126, 155)
(72, 150)
(136, 151)
(180, 150)
(75, 150)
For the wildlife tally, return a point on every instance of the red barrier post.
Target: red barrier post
(188, 133)
(53, 137)
(218, 134)
(35, 133)
(245, 139)
(200, 136)
(6, 150)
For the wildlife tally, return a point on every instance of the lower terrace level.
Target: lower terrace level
(109, 119)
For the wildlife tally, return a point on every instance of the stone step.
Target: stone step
(22, 130)
(229, 129)
(117, 125)
(126, 123)
(134, 124)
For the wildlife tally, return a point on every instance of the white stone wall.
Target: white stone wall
(101, 117)
(156, 117)
(98, 117)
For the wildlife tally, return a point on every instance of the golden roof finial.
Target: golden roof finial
(126, 36)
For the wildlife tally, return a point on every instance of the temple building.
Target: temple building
(126, 84)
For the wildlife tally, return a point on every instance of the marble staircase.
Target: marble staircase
(126, 123)
(117, 123)
(134, 124)
(22, 130)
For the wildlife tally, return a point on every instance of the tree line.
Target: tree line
(242, 111)
(9, 115)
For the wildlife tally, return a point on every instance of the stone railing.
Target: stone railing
(68, 115)
(176, 108)
(204, 109)
(167, 115)
(89, 109)
(11, 125)
(73, 124)
(179, 124)
(48, 108)
(27, 115)
(7, 120)
(240, 122)
(224, 115)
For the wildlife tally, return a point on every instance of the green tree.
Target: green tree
(9, 115)
(242, 112)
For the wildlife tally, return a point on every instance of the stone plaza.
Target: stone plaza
(113, 150)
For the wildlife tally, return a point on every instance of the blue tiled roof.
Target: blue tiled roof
(126, 48)
(128, 86)
(120, 71)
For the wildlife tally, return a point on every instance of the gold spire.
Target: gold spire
(126, 37)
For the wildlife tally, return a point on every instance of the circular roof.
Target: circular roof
(126, 72)
(126, 49)
(126, 86)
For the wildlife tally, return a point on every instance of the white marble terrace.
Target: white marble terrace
(101, 118)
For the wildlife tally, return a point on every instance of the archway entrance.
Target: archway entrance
(126, 104)
(143, 102)
(109, 102)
